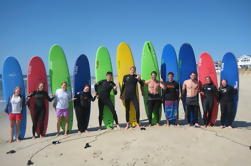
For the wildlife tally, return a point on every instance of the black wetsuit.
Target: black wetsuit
(82, 106)
(39, 109)
(129, 86)
(192, 107)
(210, 92)
(154, 102)
(103, 89)
(226, 96)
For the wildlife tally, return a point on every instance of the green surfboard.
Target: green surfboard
(149, 63)
(103, 65)
(59, 72)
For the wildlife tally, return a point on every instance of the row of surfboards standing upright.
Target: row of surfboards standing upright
(59, 72)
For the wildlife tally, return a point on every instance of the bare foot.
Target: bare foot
(79, 132)
(118, 127)
(41, 136)
(11, 140)
(33, 137)
(18, 140)
(158, 125)
(138, 126)
(230, 127)
(196, 125)
(127, 126)
(57, 134)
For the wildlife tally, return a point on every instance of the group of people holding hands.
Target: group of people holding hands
(160, 94)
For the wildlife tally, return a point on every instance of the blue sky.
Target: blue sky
(29, 28)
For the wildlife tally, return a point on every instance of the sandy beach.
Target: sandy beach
(179, 145)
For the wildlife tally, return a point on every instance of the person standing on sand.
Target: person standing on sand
(82, 106)
(129, 85)
(39, 108)
(103, 89)
(62, 97)
(171, 100)
(154, 99)
(191, 89)
(209, 91)
(14, 107)
(226, 98)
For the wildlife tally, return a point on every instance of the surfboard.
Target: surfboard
(81, 75)
(187, 65)
(229, 71)
(36, 75)
(169, 63)
(125, 61)
(13, 77)
(102, 66)
(149, 63)
(206, 68)
(59, 72)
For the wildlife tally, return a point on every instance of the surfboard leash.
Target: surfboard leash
(87, 145)
(226, 138)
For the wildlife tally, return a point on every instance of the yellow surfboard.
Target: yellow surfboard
(124, 61)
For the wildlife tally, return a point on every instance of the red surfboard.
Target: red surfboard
(206, 68)
(36, 75)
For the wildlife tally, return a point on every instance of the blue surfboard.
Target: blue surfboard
(229, 71)
(169, 63)
(13, 77)
(187, 65)
(81, 75)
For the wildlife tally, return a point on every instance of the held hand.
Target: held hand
(121, 97)
(138, 77)
(74, 99)
(236, 86)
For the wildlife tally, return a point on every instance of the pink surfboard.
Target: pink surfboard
(37, 74)
(206, 68)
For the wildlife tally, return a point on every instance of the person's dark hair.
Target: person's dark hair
(64, 82)
(154, 72)
(193, 73)
(171, 73)
(109, 73)
(87, 86)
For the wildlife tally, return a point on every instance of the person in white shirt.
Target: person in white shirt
(14, 108)
(62, 97)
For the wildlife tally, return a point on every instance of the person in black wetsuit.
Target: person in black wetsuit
(226, 98)
(40, 96)
(82, 106)
(209, 91)
(129, 86)
(103, 89)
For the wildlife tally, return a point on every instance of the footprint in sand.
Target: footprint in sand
(97, 154)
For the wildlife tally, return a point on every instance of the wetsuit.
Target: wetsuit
(226, 96)
(171, 99)
(129, 86)
(39, 109)
(82, 106)
(154, 102)
(103, 89)
(210, 92)
(192, 107)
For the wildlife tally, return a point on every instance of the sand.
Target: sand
(181, 145)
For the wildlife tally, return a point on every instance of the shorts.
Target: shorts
(62, 112)
(15, 116)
